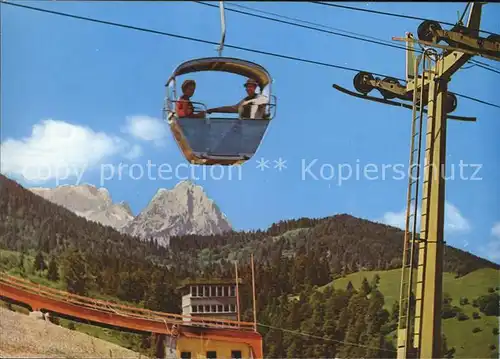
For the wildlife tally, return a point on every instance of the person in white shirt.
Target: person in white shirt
(252, 106)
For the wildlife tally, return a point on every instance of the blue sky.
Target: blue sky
(91, 95)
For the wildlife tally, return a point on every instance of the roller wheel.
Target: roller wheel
(387, 94)
(494, 37)
(451, 103)
(361, 82)
(426, 30)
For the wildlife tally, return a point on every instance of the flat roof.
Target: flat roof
(190, 330)
(192, 282)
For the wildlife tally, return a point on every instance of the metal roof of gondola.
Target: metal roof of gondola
(224, 64)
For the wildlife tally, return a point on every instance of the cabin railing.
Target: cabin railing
(270, 111)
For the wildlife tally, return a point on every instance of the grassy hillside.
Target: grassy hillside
(461, 334)
(292, 256)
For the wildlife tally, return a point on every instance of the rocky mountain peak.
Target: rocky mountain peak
(86, 200)
(184, 209)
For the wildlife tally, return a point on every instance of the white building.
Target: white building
(212, 300)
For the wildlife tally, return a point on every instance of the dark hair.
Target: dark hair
(187, 83)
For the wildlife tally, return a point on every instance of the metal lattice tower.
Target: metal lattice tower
(419, 326)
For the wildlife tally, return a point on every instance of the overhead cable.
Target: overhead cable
(262, 52)
(355, 36)
(403, 16)
(296, 332)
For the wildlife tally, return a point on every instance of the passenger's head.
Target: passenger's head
(251, 86)
(188, 87)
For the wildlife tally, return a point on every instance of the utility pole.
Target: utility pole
(237, 291)
(254, 297)
(419, 332)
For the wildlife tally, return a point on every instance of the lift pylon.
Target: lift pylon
(419, 334)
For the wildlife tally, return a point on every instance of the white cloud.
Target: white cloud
(147, 129)
(455, 222)
(492, 249)
(59, 150)
(398, 219)
(495, 231)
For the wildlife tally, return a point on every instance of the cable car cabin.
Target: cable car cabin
(210, 139)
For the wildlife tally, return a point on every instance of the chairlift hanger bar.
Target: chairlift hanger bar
(396, 103)
(223, 27)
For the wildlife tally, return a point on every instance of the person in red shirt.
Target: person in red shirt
(184, 107)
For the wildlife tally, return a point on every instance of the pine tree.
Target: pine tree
(39, 264)
(53, 272)
(350, 287)
(75, 273)
(22, 268)
(365, 287)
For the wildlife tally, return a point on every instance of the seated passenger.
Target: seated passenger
(253, 106)
(184, 106)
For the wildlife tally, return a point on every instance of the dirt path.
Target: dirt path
(27, 336)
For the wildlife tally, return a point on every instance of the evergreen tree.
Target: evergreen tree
(365, 287)
(350, 287)
(39, 264)
(22, 268)
(53, 271)
(75, 273)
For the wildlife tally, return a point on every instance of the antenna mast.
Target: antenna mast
(254, 304)
(237, 292)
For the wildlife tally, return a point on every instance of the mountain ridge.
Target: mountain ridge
(337, 230)
(183, 209)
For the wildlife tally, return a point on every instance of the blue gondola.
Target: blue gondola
(213, 139)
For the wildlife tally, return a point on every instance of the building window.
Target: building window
(226, 292)
(194, 291)
(219, 308)
(207, 309)
(207, 291)
(233, 308)
(219, 291)
(186, 355)
(233, 291)
(226, 308)
(200, 291)
(200, 309)
(194, 309)
(236, 354)
(211, 355)
(214, 308)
